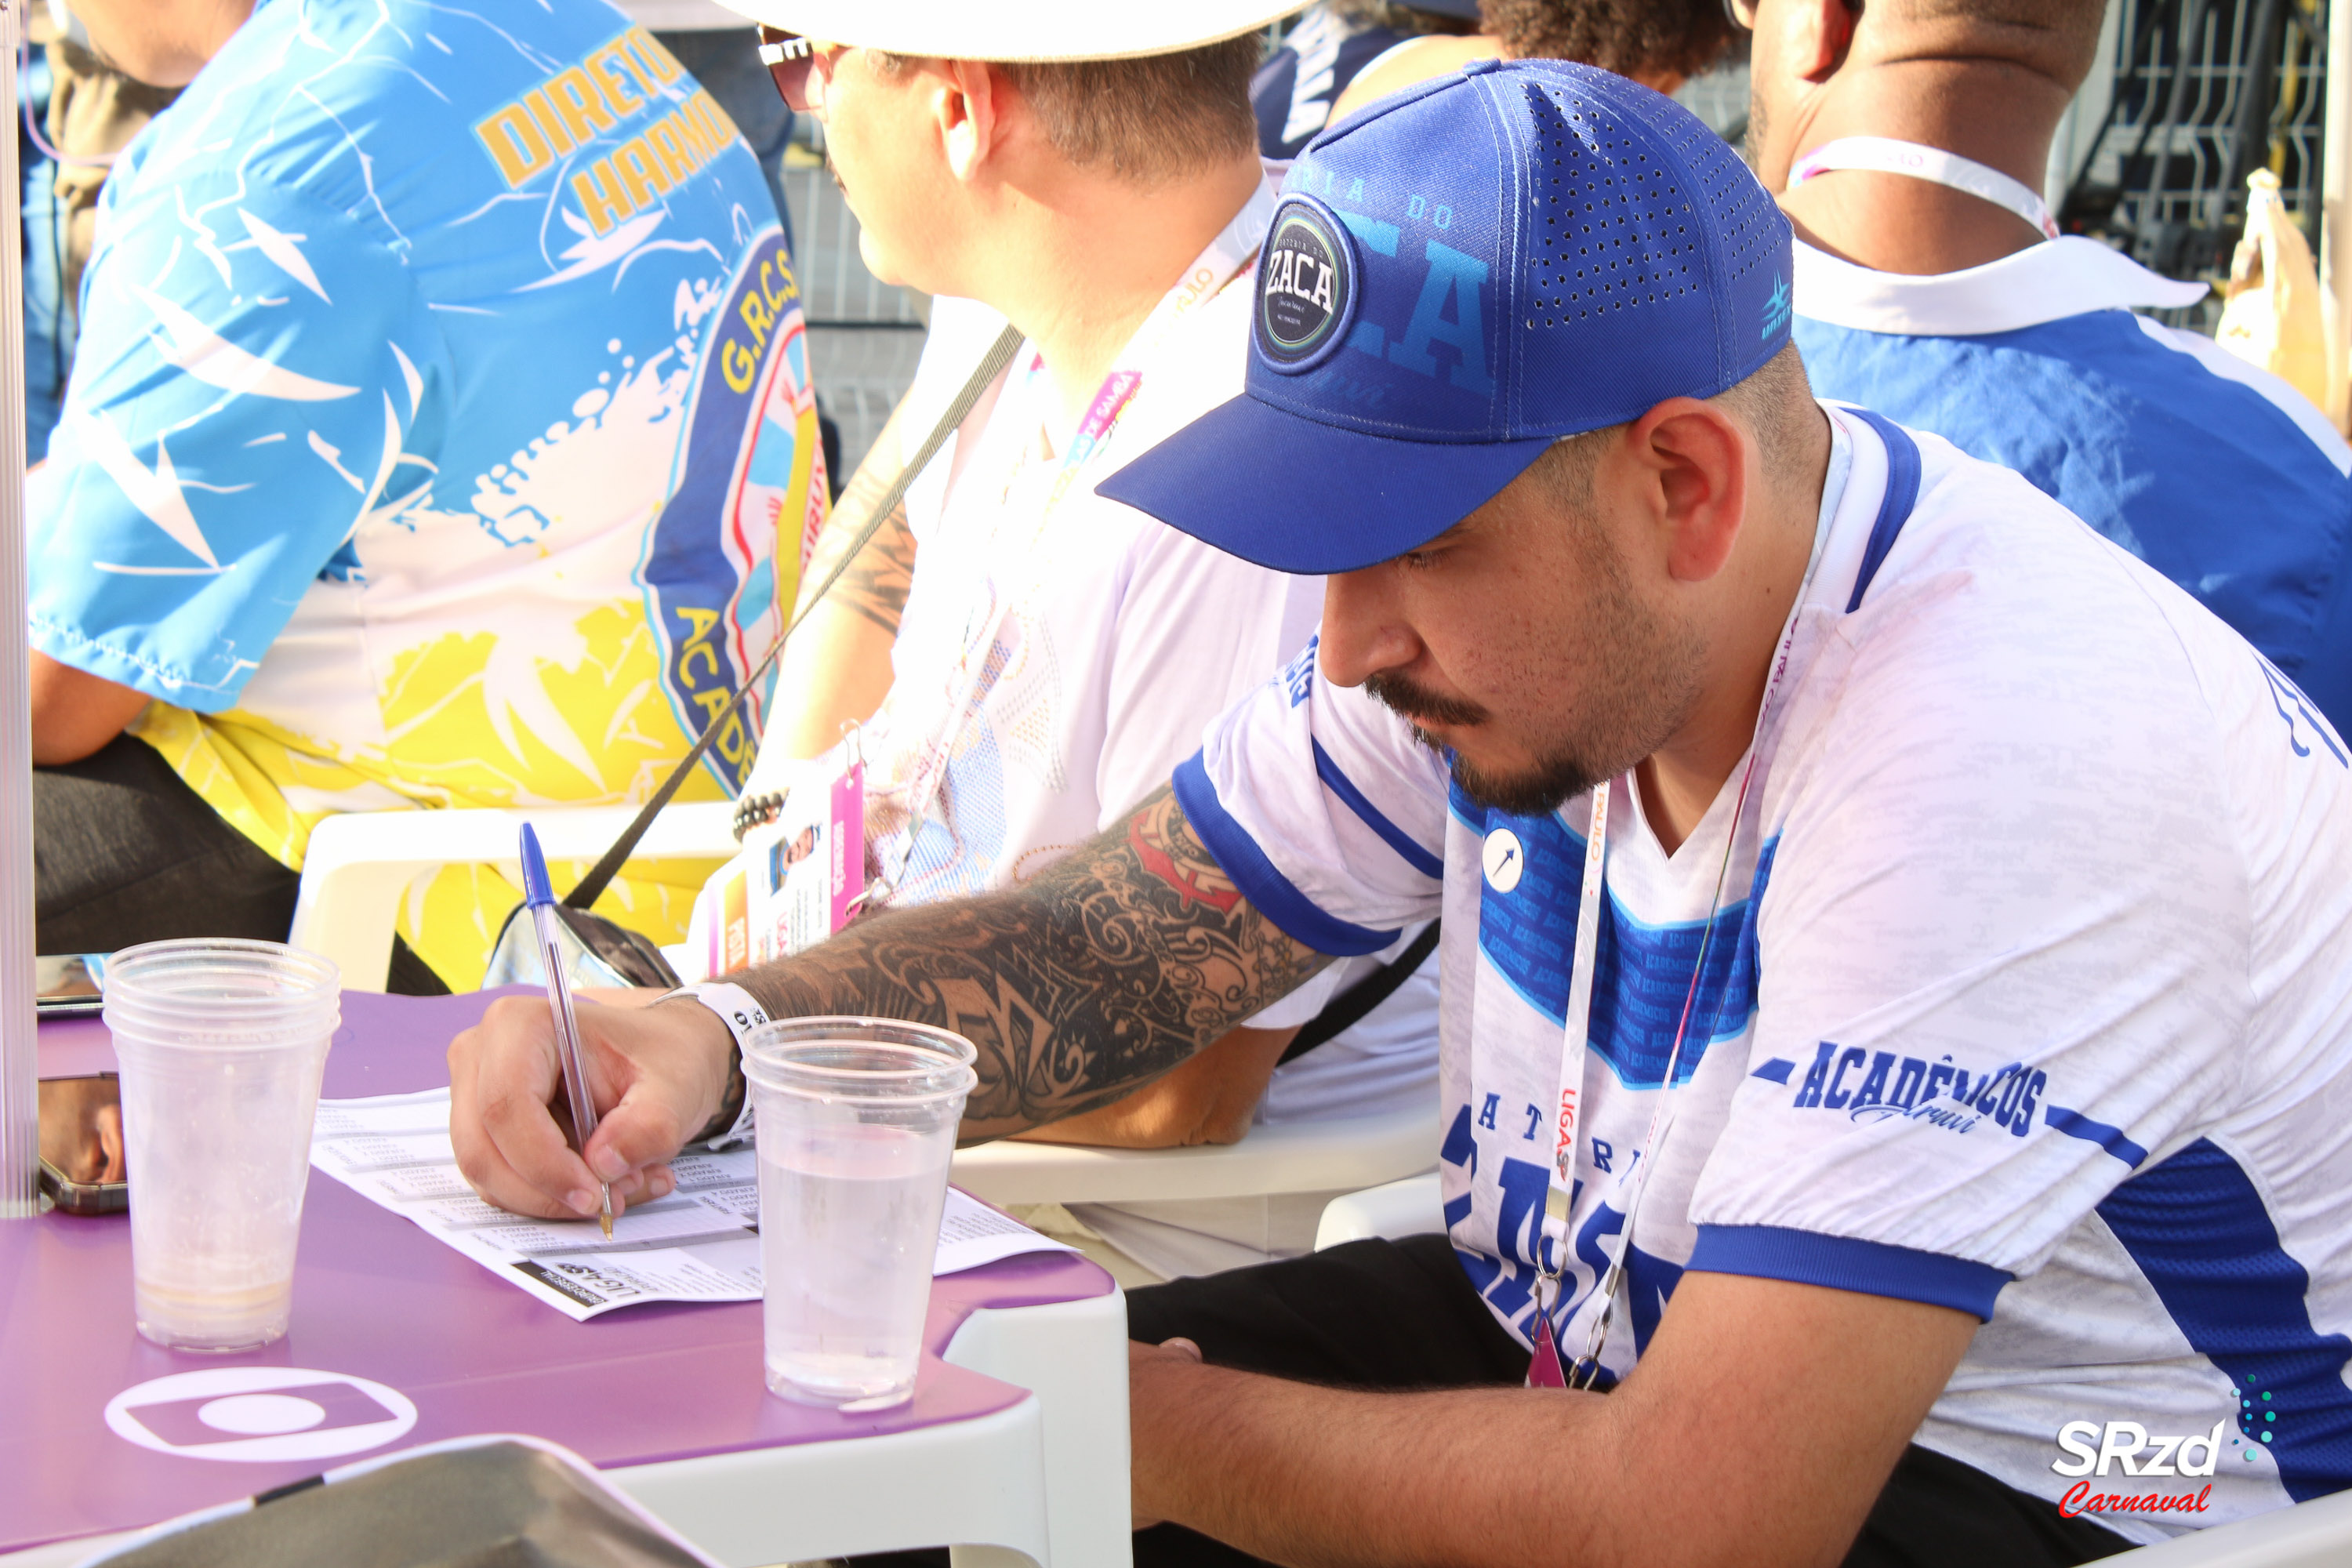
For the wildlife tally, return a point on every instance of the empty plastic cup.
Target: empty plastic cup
(856, 1122)
(221, 1045)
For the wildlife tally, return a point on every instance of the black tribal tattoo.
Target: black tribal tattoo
(876, 584)
(1102, 974)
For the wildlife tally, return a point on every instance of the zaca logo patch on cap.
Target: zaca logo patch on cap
(1306, 286)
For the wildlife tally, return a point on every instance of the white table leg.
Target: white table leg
(1073, 1356)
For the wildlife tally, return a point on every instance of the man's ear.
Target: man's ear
(1814, 35)
(967, 105)
(1693, 459)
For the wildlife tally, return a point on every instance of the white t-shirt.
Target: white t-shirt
(2032, 995)
(1113, 642)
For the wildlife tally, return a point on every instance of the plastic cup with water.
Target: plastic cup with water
(857, 1122)
(221, 1045)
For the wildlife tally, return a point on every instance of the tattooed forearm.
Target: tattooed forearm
(876, 584)
(1109, 969)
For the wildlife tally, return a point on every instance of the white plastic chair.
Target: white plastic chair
(1301, 1157)
(2315, 1535)
(361, 863)
(1414, 1206)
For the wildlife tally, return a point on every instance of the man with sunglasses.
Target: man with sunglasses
(1897, 948)
(1096, 181)
(1910, 144)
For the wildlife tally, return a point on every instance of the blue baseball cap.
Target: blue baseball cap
(1456, 278)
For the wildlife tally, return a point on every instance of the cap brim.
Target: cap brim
(1298, 496)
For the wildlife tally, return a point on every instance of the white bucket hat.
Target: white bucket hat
(1025, 30)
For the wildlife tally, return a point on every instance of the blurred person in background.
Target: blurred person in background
(1326, 45)
(1052, 654)
(78, 114)
(439, 436)
(1907, 142)
(1659, 43)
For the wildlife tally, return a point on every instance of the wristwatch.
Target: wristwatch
(741, 1013)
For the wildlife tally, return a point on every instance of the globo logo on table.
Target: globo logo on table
(260, 1415)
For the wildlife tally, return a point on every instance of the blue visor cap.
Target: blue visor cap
(1455, 279)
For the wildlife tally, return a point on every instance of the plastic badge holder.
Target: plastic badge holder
(798, 878)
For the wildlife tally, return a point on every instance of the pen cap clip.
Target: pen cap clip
(535, 891)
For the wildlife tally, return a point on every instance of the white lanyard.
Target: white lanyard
(1576, 1036)
(1885, 155)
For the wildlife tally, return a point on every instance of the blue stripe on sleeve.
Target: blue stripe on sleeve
(1842, 1263)
(1259, 879)
(1420, 860)
(2074, 1124)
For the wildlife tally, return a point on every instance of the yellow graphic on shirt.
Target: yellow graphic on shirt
(451, 744)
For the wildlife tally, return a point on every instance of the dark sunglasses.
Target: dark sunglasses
(797, 64)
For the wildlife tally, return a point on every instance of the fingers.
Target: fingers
(1182, 1347)
(660, 1106)
(649, 1070)
(669, 1065)
(110, 1140)
(502, 1075)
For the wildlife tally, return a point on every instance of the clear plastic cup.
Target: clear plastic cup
(856, 1122)
(221, 1045)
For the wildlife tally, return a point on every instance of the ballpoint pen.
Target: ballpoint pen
(541, 902)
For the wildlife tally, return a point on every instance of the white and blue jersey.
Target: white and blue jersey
(2032, 994)
(2218, 474)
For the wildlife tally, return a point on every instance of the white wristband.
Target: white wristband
(741, 1013)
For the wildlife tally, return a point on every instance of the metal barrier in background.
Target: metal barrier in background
(2196, 95)
(865, 335)
(1720, 98)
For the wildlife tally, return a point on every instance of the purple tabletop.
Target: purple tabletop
(377, 1298)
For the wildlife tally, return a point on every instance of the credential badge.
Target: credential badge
(1305, 286)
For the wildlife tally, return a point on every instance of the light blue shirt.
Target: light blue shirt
(413, 331)
(2219, 475)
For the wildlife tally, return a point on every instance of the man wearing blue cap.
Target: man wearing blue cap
(1897, 956)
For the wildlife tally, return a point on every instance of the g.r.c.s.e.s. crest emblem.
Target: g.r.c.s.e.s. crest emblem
(1306, 285)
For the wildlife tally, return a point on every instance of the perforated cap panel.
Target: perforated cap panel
(1456, 278)
(1538, 248)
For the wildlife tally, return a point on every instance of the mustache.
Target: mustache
(1417, 705)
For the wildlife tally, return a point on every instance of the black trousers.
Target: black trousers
(125, 852)
(1400, 1314)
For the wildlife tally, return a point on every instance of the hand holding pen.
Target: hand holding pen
(541, 900)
